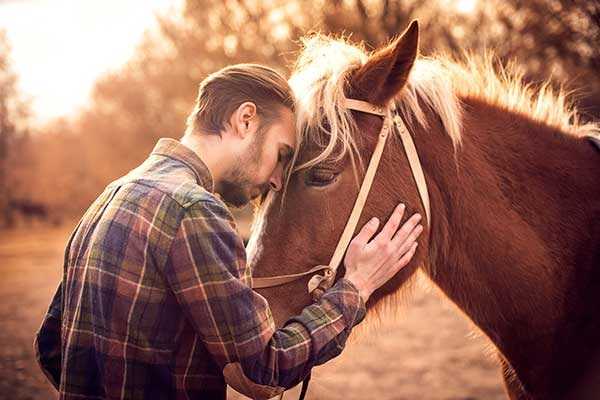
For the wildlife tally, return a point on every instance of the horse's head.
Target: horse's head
(300, 227)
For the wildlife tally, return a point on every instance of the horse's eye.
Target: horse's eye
(320, 177)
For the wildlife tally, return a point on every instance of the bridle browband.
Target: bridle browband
(319, 283)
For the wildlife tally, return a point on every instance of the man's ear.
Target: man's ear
(244, 119)
(387, 70)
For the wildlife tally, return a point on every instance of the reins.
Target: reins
(318, 284)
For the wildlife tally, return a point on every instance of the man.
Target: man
(156, 299)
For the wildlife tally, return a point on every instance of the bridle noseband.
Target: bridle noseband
(319, 283)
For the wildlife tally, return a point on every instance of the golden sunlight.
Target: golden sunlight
(465, 6)
(60, 47)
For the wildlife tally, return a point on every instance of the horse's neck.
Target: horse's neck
(513, 238)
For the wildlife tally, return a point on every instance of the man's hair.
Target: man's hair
(222, 92)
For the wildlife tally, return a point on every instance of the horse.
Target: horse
(514, 186)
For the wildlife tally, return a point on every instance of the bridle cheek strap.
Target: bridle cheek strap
(415, 166)
(319, 283)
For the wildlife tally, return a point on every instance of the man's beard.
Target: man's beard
(238, 193)
(236, 188)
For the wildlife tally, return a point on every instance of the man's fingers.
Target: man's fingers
(405, 259)
(407, 228)
(371, 262)
(391, 267)
(404, 244)
(365, 234)
(390, 227)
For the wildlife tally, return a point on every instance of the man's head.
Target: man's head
(245, 112)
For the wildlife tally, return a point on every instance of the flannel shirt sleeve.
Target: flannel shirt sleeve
(47, 344)
(206, 270)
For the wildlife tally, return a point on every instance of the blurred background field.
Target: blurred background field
(86, 89)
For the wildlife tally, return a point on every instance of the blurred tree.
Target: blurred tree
(557, 38)
(13, 136)
(548, 38)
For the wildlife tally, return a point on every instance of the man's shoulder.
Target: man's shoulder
(192, 199)
(181, 192)
(187, 194)
(207, 205)
(172, 197)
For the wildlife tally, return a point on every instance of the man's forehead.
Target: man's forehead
(287, 129)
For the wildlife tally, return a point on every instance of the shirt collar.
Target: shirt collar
(174, 149)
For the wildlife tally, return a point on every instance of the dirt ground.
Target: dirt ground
(427, 352)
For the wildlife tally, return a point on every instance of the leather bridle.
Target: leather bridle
(319, 283)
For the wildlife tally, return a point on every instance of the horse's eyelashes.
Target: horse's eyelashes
(320, 177)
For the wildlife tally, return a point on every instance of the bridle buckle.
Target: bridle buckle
(318, 284)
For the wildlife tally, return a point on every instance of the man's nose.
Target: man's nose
(276, 181)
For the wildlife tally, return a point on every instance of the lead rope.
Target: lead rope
(303, 390)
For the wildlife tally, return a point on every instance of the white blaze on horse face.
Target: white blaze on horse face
(254, 246)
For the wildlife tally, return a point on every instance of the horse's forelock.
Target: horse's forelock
(319, 80)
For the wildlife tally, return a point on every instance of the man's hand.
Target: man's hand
(370, 264)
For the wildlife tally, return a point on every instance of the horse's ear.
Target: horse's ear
(386, 71)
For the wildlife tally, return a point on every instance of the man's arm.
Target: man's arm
(207, 272)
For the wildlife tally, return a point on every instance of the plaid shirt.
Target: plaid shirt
(156, 298)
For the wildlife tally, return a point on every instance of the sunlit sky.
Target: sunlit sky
(60, 47)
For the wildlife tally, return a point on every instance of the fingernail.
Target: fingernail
(401, 206)
(373, 221)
